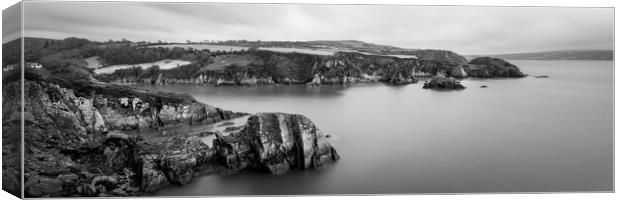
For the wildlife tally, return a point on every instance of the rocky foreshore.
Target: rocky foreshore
(75, 144)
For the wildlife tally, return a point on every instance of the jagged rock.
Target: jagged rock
(151, 178)
(108, 182)
(457, 72)
(68, 131)
(315, 81)
(40, 186)
(181, 158)
(487, 67)
(119, 150)
(443, 83)
(69, 153)
(275, 142)
(399, 79)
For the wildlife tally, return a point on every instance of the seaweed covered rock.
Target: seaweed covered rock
(487, 67)
(277, 143)
(443, 83)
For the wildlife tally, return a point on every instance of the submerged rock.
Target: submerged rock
(443, 83)
(541, 76)
(275, 142)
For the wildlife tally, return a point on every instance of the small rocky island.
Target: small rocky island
(443, 83)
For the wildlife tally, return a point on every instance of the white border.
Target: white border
(562, 196)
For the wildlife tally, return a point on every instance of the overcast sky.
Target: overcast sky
(466, 30)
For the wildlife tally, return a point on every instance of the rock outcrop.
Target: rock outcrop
(74, 147)
(275, 142)
(487, 67)
(265, 67)
(11, 139)
(443, 83)
(70, 142)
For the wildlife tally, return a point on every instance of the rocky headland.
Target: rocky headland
(488, 67)
(84, 135)
(75, 144)
(252, 68)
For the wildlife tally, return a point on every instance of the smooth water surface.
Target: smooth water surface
(517, 135)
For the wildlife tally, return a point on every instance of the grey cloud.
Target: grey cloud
(464, 29)
(11, 23)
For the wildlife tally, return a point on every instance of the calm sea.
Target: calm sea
(516, 135)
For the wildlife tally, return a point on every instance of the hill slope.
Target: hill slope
(561, 55)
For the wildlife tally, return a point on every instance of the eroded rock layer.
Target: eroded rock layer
(277, 143)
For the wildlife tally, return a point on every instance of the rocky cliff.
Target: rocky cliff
(265, 67)
(11, 138)
(487, 67)
(74, 144)
(277, 143)
(67, 134)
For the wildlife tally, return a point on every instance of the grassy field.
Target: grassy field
(220, 62)
(93, 62)
(163, 64)
(210, 47)
(325, 52)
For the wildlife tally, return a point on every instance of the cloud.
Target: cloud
(464, 29)
(11, 26)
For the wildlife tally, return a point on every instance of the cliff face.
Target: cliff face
(487, 67)
(277, 143)
(128, 109)
(74, 144)
(11, 139)
(264, 67)
(67, 135)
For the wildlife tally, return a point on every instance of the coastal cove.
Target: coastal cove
(516, 135)
(216, 99)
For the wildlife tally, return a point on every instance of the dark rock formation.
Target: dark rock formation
(265, 67)
(74, 148)
(443, 83)
(487, 67)
(277, 143)
(176, 160)
(68, 135)
(11, 138)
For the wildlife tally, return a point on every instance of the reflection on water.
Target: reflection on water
(517, 135)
